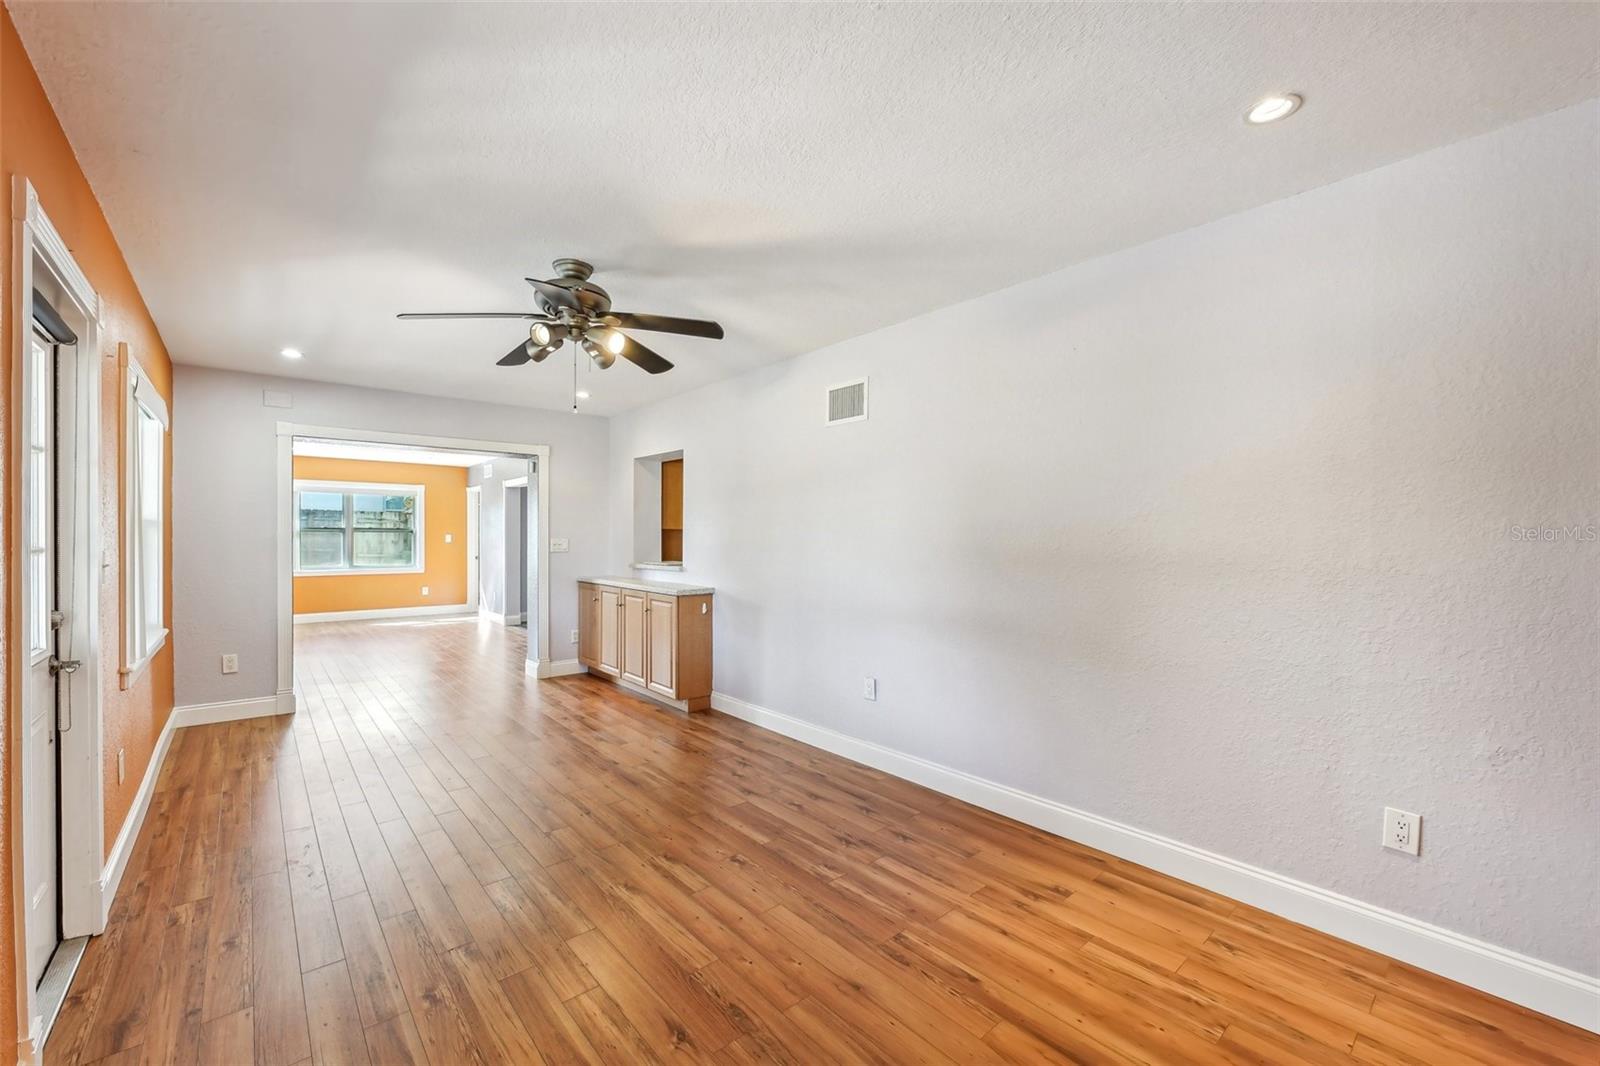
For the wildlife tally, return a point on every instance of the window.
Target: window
(343, 528)
(144, 517)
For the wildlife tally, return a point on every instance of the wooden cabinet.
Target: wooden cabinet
(609, 624)
(634, 637)
(672, 511)
(651, 641)
(661, 644)
(588, 624)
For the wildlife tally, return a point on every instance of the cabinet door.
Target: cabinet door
(610, 626)
(588, 624)
(633, 636)
(661, 645)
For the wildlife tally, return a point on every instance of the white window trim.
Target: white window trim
(139, 392)
(387, 489)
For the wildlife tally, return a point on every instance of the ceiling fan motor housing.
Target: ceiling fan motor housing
(573, 275)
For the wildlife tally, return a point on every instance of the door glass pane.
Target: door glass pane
(39, 497)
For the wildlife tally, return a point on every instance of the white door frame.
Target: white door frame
(474, 515)
(288, 431)
(505, 513)
(40, 257)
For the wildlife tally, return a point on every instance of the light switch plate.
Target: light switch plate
(424, 590)
(448, 537)
(559, 544)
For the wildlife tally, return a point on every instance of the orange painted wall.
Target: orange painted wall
(32, 144)
(444, 511)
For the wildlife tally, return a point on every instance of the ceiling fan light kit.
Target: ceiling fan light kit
(571, 307)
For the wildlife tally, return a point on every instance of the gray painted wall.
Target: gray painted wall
(1215, 536)
(224, 511)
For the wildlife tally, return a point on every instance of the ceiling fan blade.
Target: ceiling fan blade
(644, 358)
(476, 314)
(521, 354)
(689, 327)
(515, 357)
(554, 294)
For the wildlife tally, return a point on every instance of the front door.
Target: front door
(41, 856)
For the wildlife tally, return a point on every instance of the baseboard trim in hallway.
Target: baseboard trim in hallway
(1561, 993)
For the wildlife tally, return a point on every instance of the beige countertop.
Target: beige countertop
(665, 588)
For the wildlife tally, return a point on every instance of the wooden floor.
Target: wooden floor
(441, 860)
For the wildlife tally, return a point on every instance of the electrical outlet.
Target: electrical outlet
(560, 544)
(574, 636)
(869, 688)
(448, 537)
(1402, 831)
(230, 664)
(424, 590)
(122, 764)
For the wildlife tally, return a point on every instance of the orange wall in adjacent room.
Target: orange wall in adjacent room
(444, 510)
(33, 146)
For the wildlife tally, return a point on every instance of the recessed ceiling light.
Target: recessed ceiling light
(292, 353)
(583, 394)
(1273, 108)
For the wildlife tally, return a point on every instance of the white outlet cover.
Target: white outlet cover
(559, 544)
(448, 537)
(1402, 831)
(230, 664)
(574, 636)
(869, 688)
(424, 590)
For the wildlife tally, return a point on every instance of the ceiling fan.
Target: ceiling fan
(571, 307)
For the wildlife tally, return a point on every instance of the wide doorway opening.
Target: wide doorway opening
(414, 554)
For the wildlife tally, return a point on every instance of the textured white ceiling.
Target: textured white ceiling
(298, 174)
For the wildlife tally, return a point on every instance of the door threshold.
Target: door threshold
(56, 981)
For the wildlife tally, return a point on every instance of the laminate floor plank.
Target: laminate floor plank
(440, 860)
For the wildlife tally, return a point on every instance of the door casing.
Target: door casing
(43, 262)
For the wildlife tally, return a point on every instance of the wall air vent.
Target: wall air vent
(847, 402)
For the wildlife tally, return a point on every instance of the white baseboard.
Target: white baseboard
(502, 619)
(384, 612)
(560, 667)
(1561, 993)
(122, 849)
(231, 710)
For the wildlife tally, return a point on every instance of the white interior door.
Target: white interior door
(41, 857)
(474, 499)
